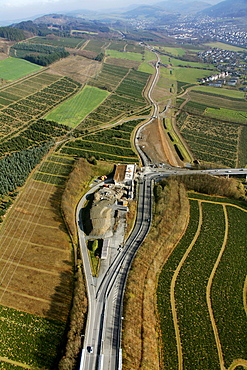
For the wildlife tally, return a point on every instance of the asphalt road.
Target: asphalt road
(102, 341)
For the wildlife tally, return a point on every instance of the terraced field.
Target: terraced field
(201, 290)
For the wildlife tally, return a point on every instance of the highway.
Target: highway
(102, 341)
(103, 332)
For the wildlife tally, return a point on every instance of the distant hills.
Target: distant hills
(227, 8)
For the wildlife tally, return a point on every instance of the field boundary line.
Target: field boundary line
(31, 267)
(221, 203)
(43, 246)
(208, 291)
(245, 295)
(173, 283)
(5, 359)
(60, 304)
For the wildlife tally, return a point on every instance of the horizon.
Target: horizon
(13, 11)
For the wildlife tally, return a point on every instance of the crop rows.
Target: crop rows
(117, 45)
(24, 88)
(126, 99)
(210, 140)
(217, 101)
(163, 293)
(199, 348)
(69, 42)
(229, 282)
(34, 106)
(39, 131)
(109, 77)
(24, 338)
(101, 148)
(95, 46)
(110, 144)
(195, 327)
(99, 156)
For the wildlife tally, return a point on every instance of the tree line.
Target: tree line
(15, 168)
(12, 34)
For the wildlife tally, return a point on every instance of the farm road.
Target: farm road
(238, 362)
(173, 283)
(4, 359)
(208, 291)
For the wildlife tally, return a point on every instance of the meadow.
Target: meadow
(178, 62)
(184, 74)
(221, 92)
(74, 110)
(12, 69)
(124, 55)
(226, 115)
(223, 46)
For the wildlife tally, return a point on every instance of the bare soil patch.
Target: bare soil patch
(156, 144)
(77, 67)
(35, 264)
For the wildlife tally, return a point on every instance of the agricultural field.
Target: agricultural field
(68, 42)
(109, 77)
(74, 110)
(226, 114)
(202, 317)
(12, 69)
(221, 45)
(126, 99)
(221, 92)
(110, 144)
(178, 62)
(96, 46)
(177, 52)
(211, 140)
(36, 270)
(36, 351)
(214, 100)
(26, 101)
(184, 74)
(124, 55)
(117, 45)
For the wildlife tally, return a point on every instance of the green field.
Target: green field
(69, 42)
(12, 69)
(220, 91)
(145, 67)
(226, 115)
(178, 62)
(223, 46)
(74, 110)
(183, 74)
(177, 52)
(124, 55)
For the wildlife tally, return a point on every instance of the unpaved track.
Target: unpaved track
(173, 283)
(208, 291)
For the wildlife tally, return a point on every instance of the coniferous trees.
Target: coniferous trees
(15, 168)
